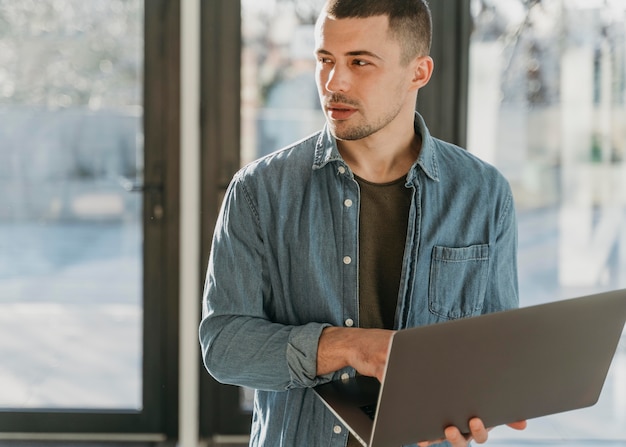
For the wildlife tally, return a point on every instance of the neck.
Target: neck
(382, 158)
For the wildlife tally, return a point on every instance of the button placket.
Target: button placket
(350, 221)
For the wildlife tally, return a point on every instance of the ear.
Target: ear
(423, 67)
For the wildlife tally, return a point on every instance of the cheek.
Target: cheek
(320, 79)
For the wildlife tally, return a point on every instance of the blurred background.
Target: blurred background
(89, 159)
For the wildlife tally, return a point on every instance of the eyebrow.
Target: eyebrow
(352, 53)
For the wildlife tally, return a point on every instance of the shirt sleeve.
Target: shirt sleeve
(240, 343)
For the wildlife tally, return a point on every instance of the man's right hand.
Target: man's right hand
(366, 350)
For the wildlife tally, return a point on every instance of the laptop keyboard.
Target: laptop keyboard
(369, 410)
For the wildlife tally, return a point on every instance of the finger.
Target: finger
(520, 425)
(478, 430)
(429, 443)
(455, 437)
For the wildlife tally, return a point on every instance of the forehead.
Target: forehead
(354, 34)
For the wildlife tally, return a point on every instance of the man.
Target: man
(324, 248)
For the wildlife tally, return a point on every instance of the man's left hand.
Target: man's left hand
(479, 433)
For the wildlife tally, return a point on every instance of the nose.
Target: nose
(338, 79)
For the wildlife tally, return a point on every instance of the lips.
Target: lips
(340, 112)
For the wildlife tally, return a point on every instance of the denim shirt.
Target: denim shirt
(284, 265)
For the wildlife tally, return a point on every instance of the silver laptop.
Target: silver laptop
(502, 367)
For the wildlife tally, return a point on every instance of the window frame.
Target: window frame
(220, 136)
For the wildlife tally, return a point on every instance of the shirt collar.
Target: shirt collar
(326, 151)
(427, 159)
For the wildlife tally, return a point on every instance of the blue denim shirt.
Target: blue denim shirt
(284, 265)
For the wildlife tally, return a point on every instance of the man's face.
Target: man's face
(362, 83)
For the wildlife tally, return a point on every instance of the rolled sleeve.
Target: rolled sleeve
(255, 353)
(302, 354)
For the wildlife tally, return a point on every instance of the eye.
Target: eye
(324, 60)
(360, 62)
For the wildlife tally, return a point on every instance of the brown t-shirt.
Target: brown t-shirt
(383, 222)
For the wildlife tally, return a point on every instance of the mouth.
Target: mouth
(339, 112)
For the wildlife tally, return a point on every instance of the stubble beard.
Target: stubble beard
(351, 132)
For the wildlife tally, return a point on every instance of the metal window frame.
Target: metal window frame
(220, 142)
(443, 102)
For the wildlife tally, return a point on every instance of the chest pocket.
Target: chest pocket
(458, 281)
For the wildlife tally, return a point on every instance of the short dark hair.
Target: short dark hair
(410, 21)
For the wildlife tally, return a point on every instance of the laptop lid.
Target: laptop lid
(502, 367)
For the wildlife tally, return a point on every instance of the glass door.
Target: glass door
(547, 106)
(74, 310)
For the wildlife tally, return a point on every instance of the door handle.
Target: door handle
(153, 195)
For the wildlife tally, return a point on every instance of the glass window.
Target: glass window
(280, 104)
(70, 233)
(547, 106)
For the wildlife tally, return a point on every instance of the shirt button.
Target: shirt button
(342, 170)
(348, 203)
(345, 376)
(347, 260)
(349, 322)
(337, 429)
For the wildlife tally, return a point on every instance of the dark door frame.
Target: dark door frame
(443, 102)
(220, 137)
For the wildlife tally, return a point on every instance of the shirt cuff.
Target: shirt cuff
(302, 354)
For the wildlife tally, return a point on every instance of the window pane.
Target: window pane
(70, 234)
(280, 104)
(547, 106)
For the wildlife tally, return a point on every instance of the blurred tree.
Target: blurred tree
(62, 53)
